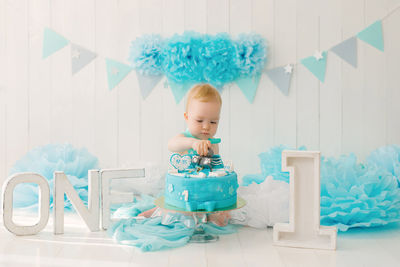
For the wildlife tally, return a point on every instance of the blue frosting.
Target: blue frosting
(202, 193)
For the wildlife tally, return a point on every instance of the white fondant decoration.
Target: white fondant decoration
(44, 203)
(304, 229)
(186, 194)
(170, 188)
(229, 166)
(217, 174)
(90, 215)
(181, 162)
(106, 199)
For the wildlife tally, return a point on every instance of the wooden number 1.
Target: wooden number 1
(303, 229)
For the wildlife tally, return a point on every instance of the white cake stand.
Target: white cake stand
(200, 217)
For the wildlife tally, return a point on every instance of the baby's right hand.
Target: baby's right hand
(201, 147)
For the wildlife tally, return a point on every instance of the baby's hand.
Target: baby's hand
(201, 147)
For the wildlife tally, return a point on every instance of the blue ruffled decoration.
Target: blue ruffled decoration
(271, 164)
(182, 59)
(146, 54)
(45, 160)
(192, 57)
(251, 54)
(352, 194)
(156, 233)
(357, 195)
(387, 158)
(218, 57)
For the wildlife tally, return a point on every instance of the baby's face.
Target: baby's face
(202, 118)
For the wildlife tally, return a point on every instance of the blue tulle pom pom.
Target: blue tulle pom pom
(146, 54)
(218, 58)
(47, 159)
(251, 51)
(387, 158)
(352, 194)
(271, 165)
(357, 195)
(182, 60)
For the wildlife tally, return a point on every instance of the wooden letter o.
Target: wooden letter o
(44, 203)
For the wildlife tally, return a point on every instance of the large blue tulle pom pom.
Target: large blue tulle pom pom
(146, 54)
(218, 58)
(251, 51)
(182, 60)
(357, 195)
(352, 194)
(387, 158)
(271, 165)
(47, 159)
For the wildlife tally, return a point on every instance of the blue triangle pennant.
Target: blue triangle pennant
(116, 72)
(248, 86)
(179, 90)
(147, 83)
(316, 65)
(347, 50)
(281, 78)
(373, 35)
(52, 42)
(80, 57)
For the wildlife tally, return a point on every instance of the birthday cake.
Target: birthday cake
(199, 183)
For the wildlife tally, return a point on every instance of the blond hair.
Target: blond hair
(203, 93)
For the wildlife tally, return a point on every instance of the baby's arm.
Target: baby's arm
(181, 143)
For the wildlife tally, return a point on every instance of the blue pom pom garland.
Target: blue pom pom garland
(194, 57)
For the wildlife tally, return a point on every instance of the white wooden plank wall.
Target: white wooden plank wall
(355, 110)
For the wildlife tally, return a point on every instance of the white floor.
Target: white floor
(249, 247)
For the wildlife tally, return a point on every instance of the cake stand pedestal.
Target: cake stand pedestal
(200, 217)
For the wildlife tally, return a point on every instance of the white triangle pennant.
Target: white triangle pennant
(147, 83)
(80, 57)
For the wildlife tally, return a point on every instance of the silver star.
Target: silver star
(288, 68)
(318, 55)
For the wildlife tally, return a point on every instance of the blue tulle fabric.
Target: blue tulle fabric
(146, 54)
(45, 160)
(182, 59)
(271, 164)
(251, 54)
(169, 230)
(353, 194)
(388, 159)
(218, 60)
(193, 57)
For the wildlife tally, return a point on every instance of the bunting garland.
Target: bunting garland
(249, 48)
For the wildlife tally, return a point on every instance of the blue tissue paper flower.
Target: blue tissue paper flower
(182, 60)
(218, 59)
(146, 54)
(352, 194)
(251, 54)
(271, 164)
(387, 158)
(357, 195)
(45, 160)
